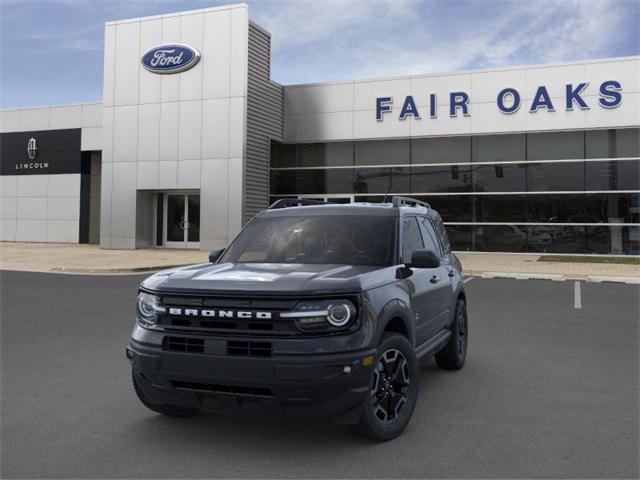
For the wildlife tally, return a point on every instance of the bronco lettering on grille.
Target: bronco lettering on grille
(193, 312)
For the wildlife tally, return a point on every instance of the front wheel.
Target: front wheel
(454, 354)
(393, 390)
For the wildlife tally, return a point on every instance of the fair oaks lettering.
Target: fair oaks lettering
(508, 101)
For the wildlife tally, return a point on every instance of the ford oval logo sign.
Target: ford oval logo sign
(172, 58)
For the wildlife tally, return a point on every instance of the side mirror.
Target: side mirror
(215, 255)
(424, 259)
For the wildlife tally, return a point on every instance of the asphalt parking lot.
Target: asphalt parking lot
(550, 390)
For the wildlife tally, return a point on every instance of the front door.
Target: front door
(182, 220)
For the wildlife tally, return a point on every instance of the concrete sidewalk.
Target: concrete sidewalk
(491, 265)
(70, 258)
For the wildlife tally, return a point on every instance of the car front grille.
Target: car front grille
(274, 326)
(183, 344)
(213, 347)
(249, 349)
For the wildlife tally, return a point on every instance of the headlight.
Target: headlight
(322, 316)
(148, 309)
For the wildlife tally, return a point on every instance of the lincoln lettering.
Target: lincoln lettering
(508, 101)
(31, 165)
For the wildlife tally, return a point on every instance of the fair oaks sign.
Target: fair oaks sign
(173, 58)
(508, 101)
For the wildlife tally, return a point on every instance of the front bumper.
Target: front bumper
(331, 384)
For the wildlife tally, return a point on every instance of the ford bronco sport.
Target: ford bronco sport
(313, 309)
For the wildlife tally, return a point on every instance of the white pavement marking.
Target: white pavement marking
(577, 296)
(468, 279)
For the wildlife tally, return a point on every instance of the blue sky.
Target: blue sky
(51, 51)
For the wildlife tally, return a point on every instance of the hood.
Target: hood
(270, 279)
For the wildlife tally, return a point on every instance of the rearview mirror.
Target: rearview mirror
(424, 259)
(215, 255)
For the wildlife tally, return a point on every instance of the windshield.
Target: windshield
(329, 239)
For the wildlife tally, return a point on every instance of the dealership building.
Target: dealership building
(193, 138)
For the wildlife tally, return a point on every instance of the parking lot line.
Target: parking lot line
(577, 295)
(468, 279)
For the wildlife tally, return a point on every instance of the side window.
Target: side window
(442, 233)
(411, 238)
(430, 238)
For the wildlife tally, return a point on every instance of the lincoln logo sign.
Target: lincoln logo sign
(172, 58)
(32, 154)
(508, 101)
(32, 149)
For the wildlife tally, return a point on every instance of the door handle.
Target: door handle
(452, 273)
(435, 279)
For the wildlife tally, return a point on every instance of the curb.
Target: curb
(553, 276)
(153, 268)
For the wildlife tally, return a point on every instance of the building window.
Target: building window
(555, 145)
(499, 208)
(440, 150)
(499, 178)
(542, 178)
(499, 148)
(613, 175)
(561, 176)
(382, 152)
(612, 143)
(612, 208)
(382, 180)
(444, 178)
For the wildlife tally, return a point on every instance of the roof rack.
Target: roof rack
(296, 202)
(408, 202)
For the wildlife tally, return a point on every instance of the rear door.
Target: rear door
(422, 289)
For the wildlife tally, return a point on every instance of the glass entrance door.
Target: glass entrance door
(182, 220)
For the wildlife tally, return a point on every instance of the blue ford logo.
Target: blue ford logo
(172, 58)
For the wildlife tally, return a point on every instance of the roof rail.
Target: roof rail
(296, 202)
(408, 202)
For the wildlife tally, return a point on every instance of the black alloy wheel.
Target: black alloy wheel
(391, 381)
(393, 391)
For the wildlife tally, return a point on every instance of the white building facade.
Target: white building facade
(539, 158)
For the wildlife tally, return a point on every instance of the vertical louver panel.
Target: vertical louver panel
(265, 120)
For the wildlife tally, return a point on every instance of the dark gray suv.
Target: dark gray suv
(314, 309)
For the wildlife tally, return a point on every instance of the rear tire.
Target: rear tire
(393, 390)
(169, 410)
(454, 354)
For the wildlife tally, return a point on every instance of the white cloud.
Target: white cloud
(326, 40)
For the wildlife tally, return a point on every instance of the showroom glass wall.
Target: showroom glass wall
(562, 192)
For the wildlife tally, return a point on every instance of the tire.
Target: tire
(454, 354)
(395, 379)
(169, 410)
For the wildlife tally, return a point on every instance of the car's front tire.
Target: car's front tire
(393, 390)
(169, 410)
(454, 354)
